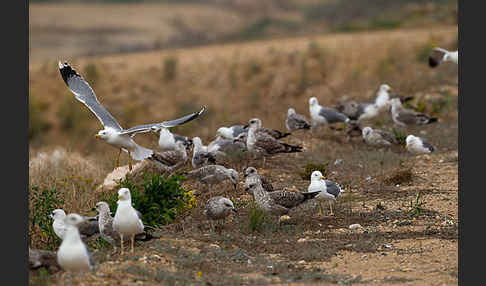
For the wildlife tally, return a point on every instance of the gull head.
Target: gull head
(124, 194)
(313, 101)
(255, 123)
(250, 171)
(250, 187)
(395, 102)
(224, 132)
(196, 141)
(104, 134)
(228, 204)
(73, 219)
(234, 177)
(241, 137)
(317, 176)
(385, 87)
(366, 131)
(102, 207)
(57, 214)
(291, 111)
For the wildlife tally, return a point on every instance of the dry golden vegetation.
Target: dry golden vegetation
(409, 238)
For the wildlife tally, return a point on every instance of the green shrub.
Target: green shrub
(311, 167)
(42, 203)
(158, 198)
(256, 218)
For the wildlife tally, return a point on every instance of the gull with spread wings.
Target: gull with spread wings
(113, 133)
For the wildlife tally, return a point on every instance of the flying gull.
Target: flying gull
(87, 229)
(327, 190)
(296, 121)
(259, 142)
(213, 174)
(321, 115)
(440, 55)
(418, 145)
(126, 221)
(404, 117)
(113, 133)
(218, 208)
(377, 137)
(73, 255)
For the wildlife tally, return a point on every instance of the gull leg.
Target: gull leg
(117, 161)
(330, 206)
(320, 208)
(133, 242)
(129, 161)
(121, 241)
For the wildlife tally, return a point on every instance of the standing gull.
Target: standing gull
(251, 175)
(200, 154)
(259, 142)
(296, 121)
(113, 133)
(213, 174)
(272, 132)
(327, 190)
(417, 145)
(172, 159)
(231, 132)
(440, 55)
(377, 137)
(126, 221)
(218, 208)
(324, 115)
(73, 255)
(404, 117)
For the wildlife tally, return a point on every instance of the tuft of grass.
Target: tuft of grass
(311, 167)
(415, 208)
(42, 203)
(158, 198)
(169, 65)
(401, 137)
(256, 218)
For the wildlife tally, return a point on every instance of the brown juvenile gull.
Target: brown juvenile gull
(277, 203)
(218, 208)
(87, 229)
(250, 177)
(213, 174)
(327, 190)
(73, 255)
(105, 222)
(404, 117)
(113, 133)
(321, 115)
(377, 137)
(171, 160)
(296, 121)
(440, 55)
(259, 142)
(417, 145)
(126, 221)
(272, 132)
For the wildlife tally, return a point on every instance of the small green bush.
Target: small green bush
(256, 218)
(158, 198)
(311, 167)
(42, 203)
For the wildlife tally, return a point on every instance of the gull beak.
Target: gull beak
(97, 136)
(50, 215)
(119, 196)
(322, 177)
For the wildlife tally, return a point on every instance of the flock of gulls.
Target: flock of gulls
(127, 226)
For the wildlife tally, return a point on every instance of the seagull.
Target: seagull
(440, 55)
(218, 208)
(200, 154)
(418, 145)
(362, 111)
(213, 174)
(324, 115)
(113, 133)
(278, 202)
(272, 132)
(73, 255)
(404, 117)
(327, 190)
(126, 221)
(296, 121)
(232, 131)
(250, 177)
(377, 137)
(105, 222)
(223, 146)
(168, 140)
(259, 142)
(88, 228)
(171, 159)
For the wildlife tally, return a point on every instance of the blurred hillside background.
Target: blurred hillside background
(150, 61)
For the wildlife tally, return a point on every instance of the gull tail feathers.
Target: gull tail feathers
(141, 153)
(309, 195)
(292, 148)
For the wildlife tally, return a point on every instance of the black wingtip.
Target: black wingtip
(66, 71)
(432, 62)
(432, 120)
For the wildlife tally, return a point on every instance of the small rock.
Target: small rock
(355, 226)
(214, 246)
(301, 262)
(300, 240)
(387, 246)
